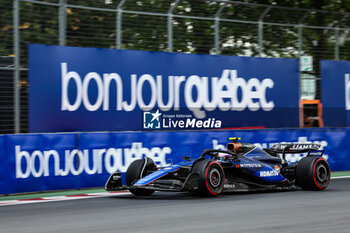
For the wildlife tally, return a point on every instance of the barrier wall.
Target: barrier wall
(40, 162)
(336, 93)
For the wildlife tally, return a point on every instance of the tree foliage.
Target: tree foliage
(95, 28)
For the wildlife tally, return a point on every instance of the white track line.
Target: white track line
(340, 177)
(60, 198)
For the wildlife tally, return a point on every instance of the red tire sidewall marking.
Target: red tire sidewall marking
(314, 174)
(206, 177)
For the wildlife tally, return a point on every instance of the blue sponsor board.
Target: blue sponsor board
(5, 170)
(336, 93)
(90, 89)
(40, 162)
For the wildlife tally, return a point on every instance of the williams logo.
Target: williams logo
(152, 120)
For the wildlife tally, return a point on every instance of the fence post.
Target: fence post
(62, 22)
(118, 42)
(300, 33)
(300, 39)
(217, 29)
(170, 32)
(336, 46)
(261, 31)
(16, 48)
(260, 38)
(170, 25)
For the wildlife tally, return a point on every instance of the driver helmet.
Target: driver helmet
(234, 146)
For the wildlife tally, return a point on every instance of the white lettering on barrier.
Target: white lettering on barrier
(107, 82)
(86, 82)
(224, 92)
(347, 91)
(66, 77)
(78, 161)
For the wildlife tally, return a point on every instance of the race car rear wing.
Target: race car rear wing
(295, 148)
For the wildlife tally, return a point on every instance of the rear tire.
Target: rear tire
(211, 177)
(133, 174)
(313, 173)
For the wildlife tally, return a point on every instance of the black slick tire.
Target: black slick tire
(313, 173)
(133, 174)
(211, 177)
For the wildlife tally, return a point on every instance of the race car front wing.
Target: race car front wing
(114, 183)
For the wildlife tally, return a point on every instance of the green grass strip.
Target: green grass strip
(344, 173)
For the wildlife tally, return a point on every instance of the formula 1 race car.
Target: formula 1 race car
(243, 167)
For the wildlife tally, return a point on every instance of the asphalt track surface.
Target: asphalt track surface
(296, 211)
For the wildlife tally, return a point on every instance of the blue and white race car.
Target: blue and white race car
(242, 167)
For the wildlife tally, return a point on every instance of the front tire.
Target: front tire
(313, 173)
(133, 174)
(211, 177)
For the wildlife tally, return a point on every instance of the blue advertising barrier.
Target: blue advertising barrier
(5, 185)
(336, 93)
(91, 89)
(40, 162)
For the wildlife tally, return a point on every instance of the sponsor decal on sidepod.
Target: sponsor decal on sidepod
(268, 173)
